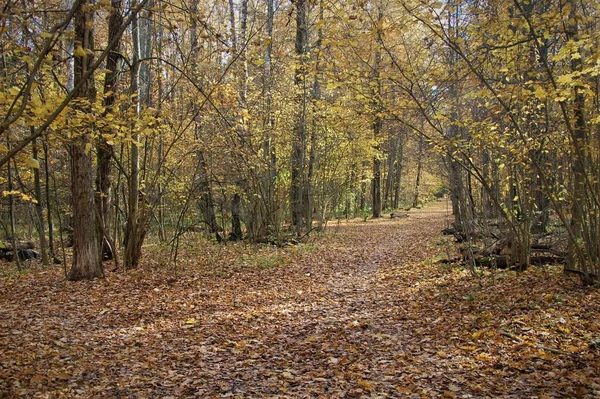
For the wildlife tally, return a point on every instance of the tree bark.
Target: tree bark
(378, 122)
(141, 84)
(299, 139)
(104, 149)
(415, 202)
(86, 257)
(48, 202)
(270, 214)
(39, 211)
(578, 201)
(398, 172)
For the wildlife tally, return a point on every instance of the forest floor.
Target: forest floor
(363, 311)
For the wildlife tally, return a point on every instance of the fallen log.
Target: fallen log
(458, 236)
(398, 215)
(24, 249)
(21, 246)
(503, 262)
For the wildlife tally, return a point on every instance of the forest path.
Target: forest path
(365, 313)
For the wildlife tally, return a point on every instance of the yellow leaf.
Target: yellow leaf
(367, 386)
(79, 52)
(190, 321)
(32, 163)
(565, 79)
(478, 334)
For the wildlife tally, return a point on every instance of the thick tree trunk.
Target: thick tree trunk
(86, 256)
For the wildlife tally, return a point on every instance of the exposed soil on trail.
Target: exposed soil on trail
(364, 312)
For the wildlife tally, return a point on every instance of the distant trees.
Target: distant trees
(246, 119)
(513, 111)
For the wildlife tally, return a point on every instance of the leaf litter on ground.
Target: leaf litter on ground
(365, 311)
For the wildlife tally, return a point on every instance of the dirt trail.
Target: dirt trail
(365, 314)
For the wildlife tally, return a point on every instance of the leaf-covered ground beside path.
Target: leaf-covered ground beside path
(366, 312)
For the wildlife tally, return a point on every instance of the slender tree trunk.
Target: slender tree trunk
(389, 177)
(578, 201)
(415, 202)
(11, 212)
(39, 211)
(398, 172)
(141, 84)
(236, 225)
(270, 220)
(299, 139)
(70, 60)
(456, 182)
(205, 203)
(49, 203)
(104, 149)
(161, 144)
(378, 122)
(86, 255)
(244, 136)
(316, 99)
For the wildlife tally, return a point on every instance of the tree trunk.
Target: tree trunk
(270, 214)
(378, 122)
(398, 172)
(574, 260)
(316, 98)
(104, 149)
(39, 212)
(299, 139)
(389, 176)
(161, 142)
(376, 182)
(141, 84)
(205, 203)
(415, 202)
(11, 210)
(86, 256)
(236, 224)
(48, 202)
